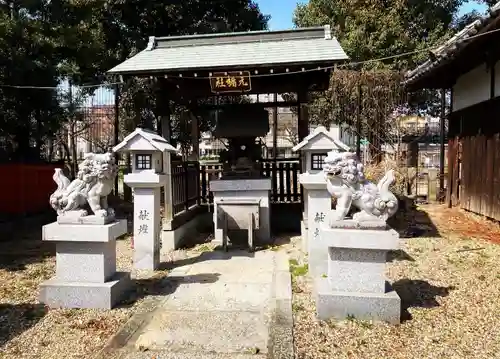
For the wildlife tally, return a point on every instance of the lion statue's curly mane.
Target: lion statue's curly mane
(346, 182)
(92, 185)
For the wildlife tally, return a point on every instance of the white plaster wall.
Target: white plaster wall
(472, 88)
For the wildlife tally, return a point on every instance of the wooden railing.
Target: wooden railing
(283, 173)
(185, 186)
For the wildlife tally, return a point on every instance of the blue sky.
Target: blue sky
(281, 11)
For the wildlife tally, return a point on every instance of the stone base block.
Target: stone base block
(364, 306)
(317, 257)
(146, 260)
(56, 232)
(58, 294)
(172, 239)
(89, 219)
(304, 234)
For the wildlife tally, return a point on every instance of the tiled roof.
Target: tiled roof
(244, 49)
(319, 131)
(155, 140)
(453, 47)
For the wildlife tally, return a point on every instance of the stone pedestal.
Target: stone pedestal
(246, 190)
(147, 220)
(86, 274)
(147, 228)
(318, 204)
(355, 284)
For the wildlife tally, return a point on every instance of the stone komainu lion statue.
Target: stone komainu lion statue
(92, 185)
(346, 182)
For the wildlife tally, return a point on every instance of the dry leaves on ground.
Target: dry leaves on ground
(449, 286)
(30, 330)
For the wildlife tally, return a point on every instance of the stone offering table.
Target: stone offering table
(355, 284)
(86, 274)
(238, 214)
(256, 189)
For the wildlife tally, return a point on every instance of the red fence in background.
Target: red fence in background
(26, 188)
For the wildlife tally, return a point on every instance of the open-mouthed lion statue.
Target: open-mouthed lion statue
(346, 182)
(92, 185)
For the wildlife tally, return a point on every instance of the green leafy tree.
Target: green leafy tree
(29, 58)
(398, 32)
(45, 42)
(127, 26)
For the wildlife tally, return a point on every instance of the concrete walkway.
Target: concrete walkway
(223, 305)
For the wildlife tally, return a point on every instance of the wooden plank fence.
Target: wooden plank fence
(474, 174)
(185, 185)
(284, 180)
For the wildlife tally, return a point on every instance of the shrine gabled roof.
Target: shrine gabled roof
(454, 47)
(152, 138)
(318, 132)
(303, 46)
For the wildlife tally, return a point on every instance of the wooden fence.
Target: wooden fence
(475, 174)
(284, 180)
(185, 185)
(27, 188)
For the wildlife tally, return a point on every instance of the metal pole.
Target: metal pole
(441, 144)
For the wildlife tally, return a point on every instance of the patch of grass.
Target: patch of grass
(365, 324)
(203, 248)
(296, 288)
(297, 307)
(293, 262)
(296, 269)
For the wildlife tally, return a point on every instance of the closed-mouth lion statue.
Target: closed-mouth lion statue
(346, 182)
(92, 185)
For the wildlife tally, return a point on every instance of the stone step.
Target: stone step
(205, 331)
(189, 355)
(249, 297)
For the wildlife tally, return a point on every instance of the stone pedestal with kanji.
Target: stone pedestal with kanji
(150, 172)
(147, 228)
(319, 204)
(313, 150)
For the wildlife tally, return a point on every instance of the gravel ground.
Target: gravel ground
(30, 330)
(449, 282)
(448, 278)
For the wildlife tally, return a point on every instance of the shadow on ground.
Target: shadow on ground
(399, 256)
(23, 248)
(418, 294)
(163, 285)
(411, 222)
(17, 318)
(237, 250)
(216, 254)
